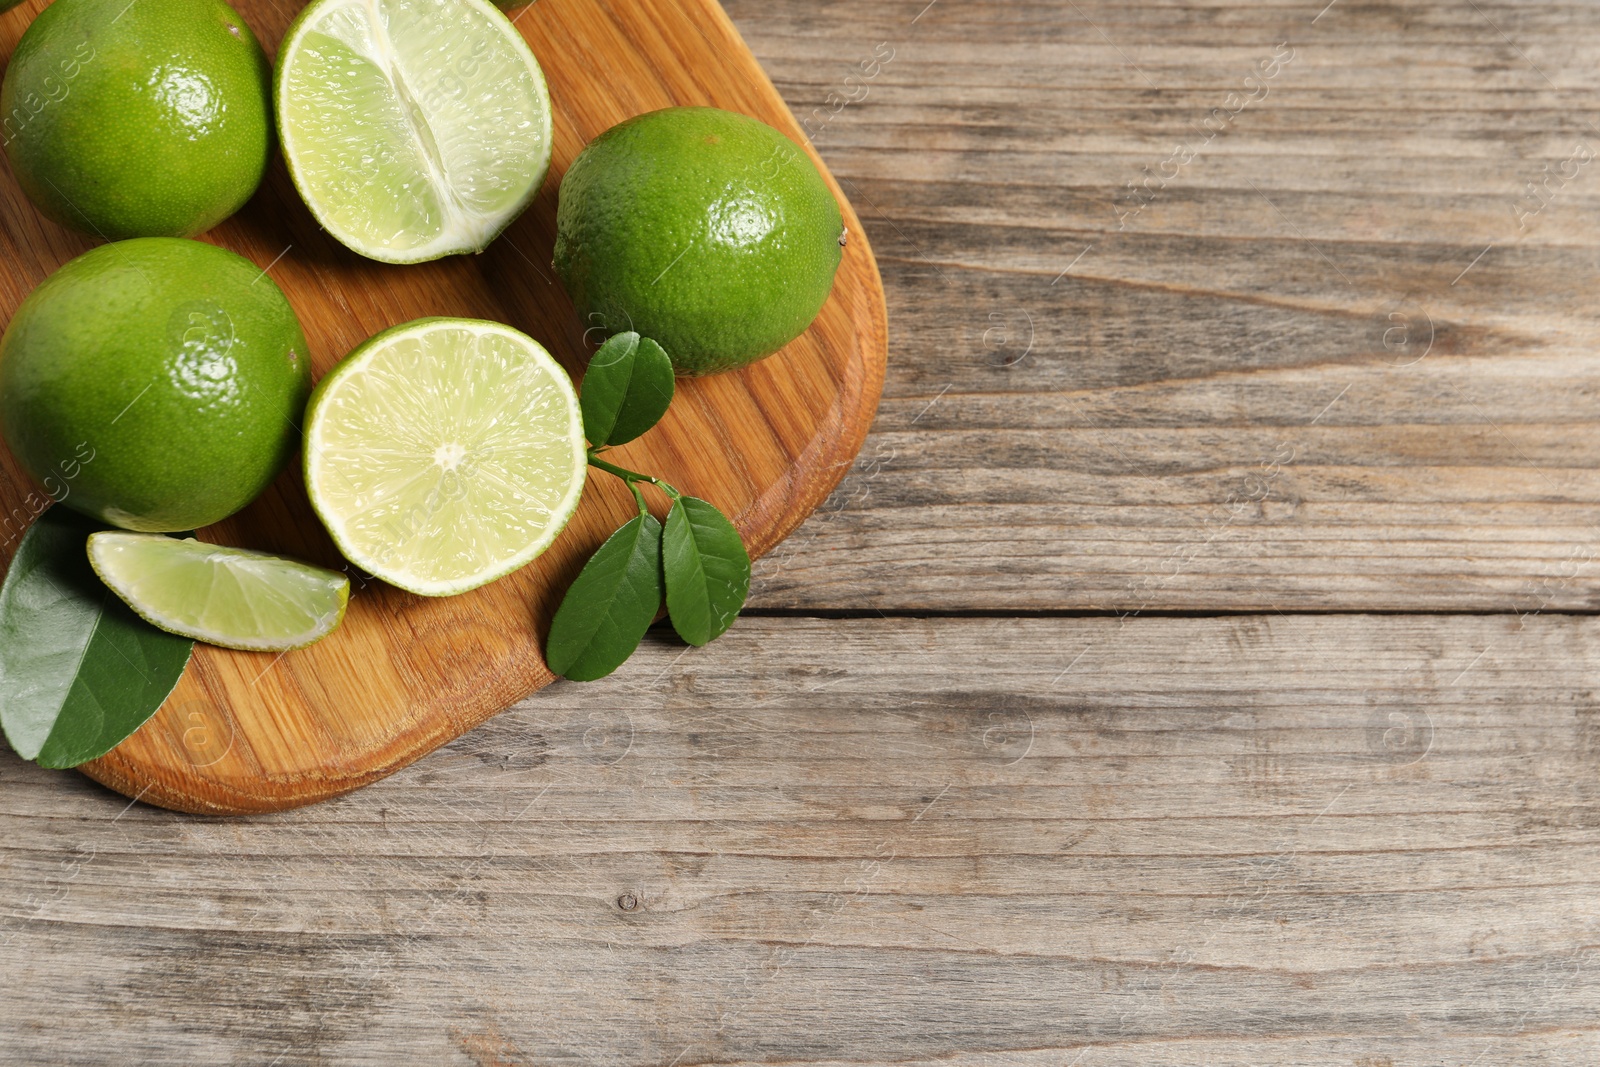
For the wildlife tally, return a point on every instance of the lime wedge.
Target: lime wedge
(223, 596)
(445, 453)
(413, 129)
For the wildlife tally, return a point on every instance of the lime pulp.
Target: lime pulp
(443, 454)
(413, 129)
(231, 597)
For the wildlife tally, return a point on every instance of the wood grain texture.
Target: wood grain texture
(1213, 408)
(253, 732)
(1262, 841)
(1320, 841)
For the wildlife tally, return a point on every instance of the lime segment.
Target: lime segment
(414, 129)
(231, 597)
(445, 453)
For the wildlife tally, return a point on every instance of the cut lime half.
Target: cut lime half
(231, 597)
(445, 453)
(414, 129)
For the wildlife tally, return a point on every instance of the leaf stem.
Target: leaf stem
(633, 478)
(644, 509)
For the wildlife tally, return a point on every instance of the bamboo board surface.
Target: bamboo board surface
(250, 732)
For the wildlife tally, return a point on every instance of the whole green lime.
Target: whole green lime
(155, 384)
(708, 232)
(143, 119)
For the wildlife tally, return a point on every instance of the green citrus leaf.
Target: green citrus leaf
(79, 671)
(707, 570)
(626, 390)
(612, 603)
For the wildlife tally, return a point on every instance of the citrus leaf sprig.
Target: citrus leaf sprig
(701, 547)
(697, 562)
(79, 671)
(626, 390)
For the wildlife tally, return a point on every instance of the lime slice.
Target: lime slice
(413, 129)
(445, 453)
(223, 596)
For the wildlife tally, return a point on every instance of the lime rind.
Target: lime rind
(443, 454)
(233, 597)
(413, 129)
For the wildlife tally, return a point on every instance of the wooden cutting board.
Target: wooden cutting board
(251, 732)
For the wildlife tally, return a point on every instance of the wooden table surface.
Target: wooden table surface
(1199, 665)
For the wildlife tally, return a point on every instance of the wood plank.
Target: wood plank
(1302, 840)
(404, 674)
(1213, 407)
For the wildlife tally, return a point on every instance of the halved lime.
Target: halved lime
(413, 129)
(231, 597)
(445, 453)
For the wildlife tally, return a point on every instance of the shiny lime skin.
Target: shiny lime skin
(148, 119)
(708, 232)
(155, 384)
